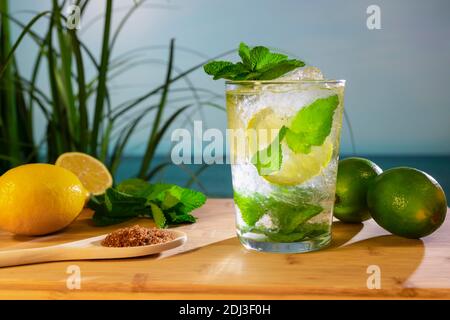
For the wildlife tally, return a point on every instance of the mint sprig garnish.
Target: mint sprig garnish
(258, 63)
(166, 203)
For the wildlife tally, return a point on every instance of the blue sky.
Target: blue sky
(398, 77)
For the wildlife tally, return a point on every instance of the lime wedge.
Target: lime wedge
(298, 167)
(262, 129)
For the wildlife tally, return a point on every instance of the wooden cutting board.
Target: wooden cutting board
(213, 264)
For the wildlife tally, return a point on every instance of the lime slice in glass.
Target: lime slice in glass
(297, 168)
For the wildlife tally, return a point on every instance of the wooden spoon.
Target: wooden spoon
(87, 249)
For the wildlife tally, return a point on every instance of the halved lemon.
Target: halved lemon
(92, 173)
(296, 168)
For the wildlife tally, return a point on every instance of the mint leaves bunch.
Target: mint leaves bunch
(292, 218)
(258, 63)
(167, 204)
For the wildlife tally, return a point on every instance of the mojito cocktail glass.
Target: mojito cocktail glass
(284, 147)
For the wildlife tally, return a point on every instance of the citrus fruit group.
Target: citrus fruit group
(36, 199)
(407, 202)
(353, 179)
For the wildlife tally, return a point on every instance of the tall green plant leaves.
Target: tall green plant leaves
(74, 121)
(9, 124)
(16, 131)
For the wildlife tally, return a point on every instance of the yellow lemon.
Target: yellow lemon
(36, 199)
(91, 172)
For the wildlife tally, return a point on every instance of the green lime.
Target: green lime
(407, 202)
(353, 178)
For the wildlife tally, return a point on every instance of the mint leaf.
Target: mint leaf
(251, 208)
(120, 204)
(110, 209)
(269, 159)
(181, 218)
(297, 142)
(258, 57)
(169, 201)
(291, 216)
(302, 232)
(281, 237)
(234, 70)
(215, 67)
(158, 216)
(311, 125)
(169, 195)
(190, 200)
(258, 63)
(276, 70)
(96, 203)
(135, 187)
(244, 53)
(263, 59)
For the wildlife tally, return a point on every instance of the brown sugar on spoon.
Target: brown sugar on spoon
(136, 236)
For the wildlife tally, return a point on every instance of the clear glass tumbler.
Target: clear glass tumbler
(284, 148)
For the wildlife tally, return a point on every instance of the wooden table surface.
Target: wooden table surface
(213, 264)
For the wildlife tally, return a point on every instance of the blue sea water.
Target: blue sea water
(215, 180)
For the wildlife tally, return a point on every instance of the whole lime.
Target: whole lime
(407, 202)
(353, 178)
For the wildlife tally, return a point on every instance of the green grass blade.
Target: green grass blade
(155, 140)
(36, 92)
(34, 74)
(148, 156)
(38, 39)
(160, 167)
(124, 138)
(19, 40)
(82, 96)
(194, 177)
(101, 89)
(25, 119)
(123, 22)
(59, 138)
(120, 146)
(63, 76)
